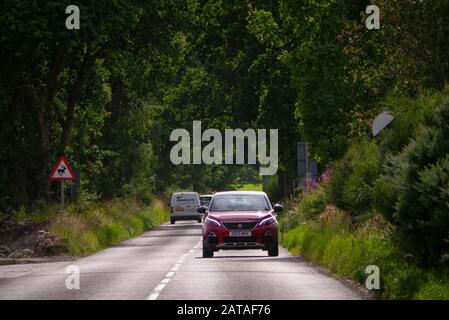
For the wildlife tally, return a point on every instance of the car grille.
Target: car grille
(245, 225)
(239, 239)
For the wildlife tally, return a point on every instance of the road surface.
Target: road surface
(166, 263)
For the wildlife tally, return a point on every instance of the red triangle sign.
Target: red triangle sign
(61, 171)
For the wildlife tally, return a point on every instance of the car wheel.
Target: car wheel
(207, 253)
(200, 220)
(172, 221)
(273, 251)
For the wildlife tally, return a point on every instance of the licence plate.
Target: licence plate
(240, 233)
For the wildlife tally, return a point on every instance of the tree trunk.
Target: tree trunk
(74, 95)
(44, 115)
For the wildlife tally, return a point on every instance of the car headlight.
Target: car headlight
(212, 222)
(266, 221)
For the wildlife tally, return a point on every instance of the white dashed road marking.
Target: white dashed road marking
(158, 289)
(153, 296)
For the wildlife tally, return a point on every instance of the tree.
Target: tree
(52, 77)
(415, 185)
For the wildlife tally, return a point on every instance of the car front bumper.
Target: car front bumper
(217, 238)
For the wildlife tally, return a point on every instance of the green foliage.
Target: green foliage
(270, 185)
(415, 35)
(434, 289)
(250, 187)
(346, 253)
(84, 94)
(312, 204)
(309, 207)
(21, 215)
(334, 102)
(417, 180)
(353, 176)
(112, 91)
(409, 114)
(96, 226)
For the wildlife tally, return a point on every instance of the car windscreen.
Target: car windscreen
(184, 200)
(205, 200)
(238, 202)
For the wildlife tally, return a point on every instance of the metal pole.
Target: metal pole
(307, 163)
(62, 195)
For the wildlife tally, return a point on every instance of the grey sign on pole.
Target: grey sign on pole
(302, 163)
(382, 121)
(313, 168)
(306, 168)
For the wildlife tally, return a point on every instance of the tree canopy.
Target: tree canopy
(109, 94)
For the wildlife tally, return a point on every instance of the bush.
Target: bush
(416, 181)
(409, 115)
(271, 187)
(310, 206)
(352, 183)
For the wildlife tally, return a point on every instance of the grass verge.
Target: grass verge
(346, 250)
(92, 226)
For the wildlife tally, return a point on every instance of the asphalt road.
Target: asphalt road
(166, 263)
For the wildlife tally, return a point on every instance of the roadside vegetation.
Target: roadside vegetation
(250, 187)
(86, 226)
(91, 226)
(384, 203)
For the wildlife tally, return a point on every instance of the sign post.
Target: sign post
(61, 172)
(62, 195)
(380, 123)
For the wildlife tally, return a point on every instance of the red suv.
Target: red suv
(240, 220)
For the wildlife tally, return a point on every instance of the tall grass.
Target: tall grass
(346, 250)
(88, 227)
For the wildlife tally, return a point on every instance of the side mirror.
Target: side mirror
(201, 209)
(278, 208)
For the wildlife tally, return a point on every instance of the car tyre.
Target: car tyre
(273, 251)
(207, 253)
(200, 220)
(172, 221)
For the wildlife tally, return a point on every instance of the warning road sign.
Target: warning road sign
(61, 171)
